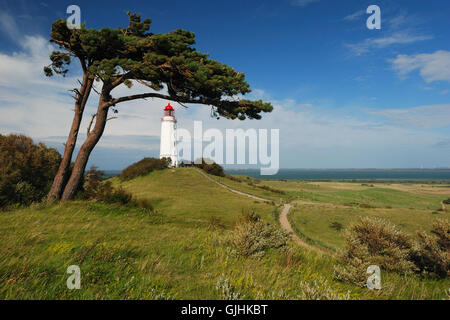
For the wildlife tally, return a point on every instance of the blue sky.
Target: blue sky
(344, 96)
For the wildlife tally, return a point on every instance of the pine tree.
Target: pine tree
(166, 63)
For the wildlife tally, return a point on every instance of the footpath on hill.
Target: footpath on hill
(283, 219)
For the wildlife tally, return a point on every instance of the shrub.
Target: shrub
(210, 167)
(431, 253)
(248, 217)
(119, 196)
(144, 167)
(264, 187)
(366, 206)
(26, 169)
(353, 272)
(252, 237)
(214, 169)
(292, 257)
(226, 290)
(106, 193)
(446, 201)
(374, 241)
(336, 226)
(92, 182)
(215, 223)
(144, 203)
(232, 178)
(25, 193)
(320, 290)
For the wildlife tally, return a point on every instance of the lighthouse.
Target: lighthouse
(168, 146)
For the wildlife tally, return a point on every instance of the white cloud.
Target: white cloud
(354, 16)
(397, 21)
(303, 3)
(8, 26)
(36, 105)
(31, 103)
(433, 66)
(424, 117)
(383, 42)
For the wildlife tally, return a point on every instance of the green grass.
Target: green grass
(354, 193)
(129, 253)
(255, 189)
(126, 253)
(315, 221)
(184, 194)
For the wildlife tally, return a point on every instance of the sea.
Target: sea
(352, 174)
(342, 174)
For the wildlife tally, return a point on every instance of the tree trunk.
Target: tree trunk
(79, 167)
(63, 171)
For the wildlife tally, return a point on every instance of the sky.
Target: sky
(344, 96)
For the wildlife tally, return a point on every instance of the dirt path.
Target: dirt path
(284, 222)
(231, 189)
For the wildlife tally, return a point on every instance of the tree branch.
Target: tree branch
(153, 95)
(90, 125)
(61, 43)
(120, 79)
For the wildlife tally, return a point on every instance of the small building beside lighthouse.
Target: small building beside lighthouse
(168, 147)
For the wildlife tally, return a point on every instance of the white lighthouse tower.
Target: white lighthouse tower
(168, 146)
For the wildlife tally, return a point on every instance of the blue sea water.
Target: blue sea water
(352, 174)
(342, 174)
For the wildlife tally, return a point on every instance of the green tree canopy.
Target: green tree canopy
(163, 60)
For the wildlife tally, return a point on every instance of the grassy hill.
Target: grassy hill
(176, 252)
(183, 194)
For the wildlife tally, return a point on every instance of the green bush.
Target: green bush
(26, 169)
(103, 191)
(226, 290)
(92, 182)
(233, 178)
(431, 253)
(108, 194)
(215, 223)
(214, 169)
(248, 217)
(144, 167)
(252, 237)
(143, 203)
(373, 241)
(264, 187)
(336, 226)
(210, 167)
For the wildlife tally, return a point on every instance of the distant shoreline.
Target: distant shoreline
(357, 175)
(344, 175)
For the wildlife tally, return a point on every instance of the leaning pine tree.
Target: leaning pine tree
(165, 63)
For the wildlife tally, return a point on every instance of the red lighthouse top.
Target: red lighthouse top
(168, 111)
(168, 108)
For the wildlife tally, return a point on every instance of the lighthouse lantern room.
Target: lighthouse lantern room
(168, 146)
